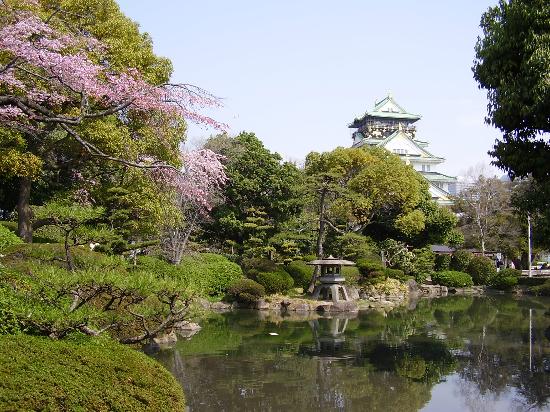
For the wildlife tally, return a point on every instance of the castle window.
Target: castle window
(425, 168)
(401, 151)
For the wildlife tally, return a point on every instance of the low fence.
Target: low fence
(540, 273)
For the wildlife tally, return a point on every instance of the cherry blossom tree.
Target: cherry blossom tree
(53, 78)
(198, 190)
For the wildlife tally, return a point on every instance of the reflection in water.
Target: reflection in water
(455, 353)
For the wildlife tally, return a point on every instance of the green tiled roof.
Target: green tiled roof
(437, 177)
(378, 111)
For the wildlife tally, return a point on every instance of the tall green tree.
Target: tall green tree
(258, 180)
(513, 64)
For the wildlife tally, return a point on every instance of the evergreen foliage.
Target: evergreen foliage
(482, 270)
(442, 262)
(245, 291)
(82, 373)
(452, 278)
(300, 273)
(505, 279)
(460, 260)
(275, 282)
(8, 238)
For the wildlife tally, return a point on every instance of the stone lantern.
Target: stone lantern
(332, 280)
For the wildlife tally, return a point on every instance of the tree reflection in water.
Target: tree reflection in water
(371, 361)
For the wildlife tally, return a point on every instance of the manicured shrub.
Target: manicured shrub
(505, 279)
(258, 264)
(77, 374)
(460, 260)
(221, 272)
(442, 262)
(510, 272)
(481, 269)
(541, 290)
(245, 291)
(300, 273)
(452, 278)
(423, 264)
(396, 274)
(8, 238)
(367, 266)
(275, 282)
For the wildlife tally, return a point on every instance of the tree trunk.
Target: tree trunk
(320, 238)
(24, 212)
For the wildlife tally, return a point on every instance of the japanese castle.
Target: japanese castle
(390, 126)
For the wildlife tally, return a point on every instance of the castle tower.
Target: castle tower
(390, 126)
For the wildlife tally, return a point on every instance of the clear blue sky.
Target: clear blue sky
(297, 72)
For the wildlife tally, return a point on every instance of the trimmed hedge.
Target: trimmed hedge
(481, 269)
(275, 282)
(460, 260)
(8, 238)
(245, 291)
(505, 279)
(206, 273)
(38, 373)
(258, 265)
(452, 278)
(300, 272)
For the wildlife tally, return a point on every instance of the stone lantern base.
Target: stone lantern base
(335, 292)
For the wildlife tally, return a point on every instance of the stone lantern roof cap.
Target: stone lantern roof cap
(331, 260)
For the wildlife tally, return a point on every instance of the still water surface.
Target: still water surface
(447, 354)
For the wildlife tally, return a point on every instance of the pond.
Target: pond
(451, 354)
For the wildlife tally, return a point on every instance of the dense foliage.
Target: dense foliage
(505, 279)
(275, 282)
(512, 63)
(80, 373)
(460, 260)
(452, 278)
(482, 270)
(245, 291)
(300, 273)
(8, 238)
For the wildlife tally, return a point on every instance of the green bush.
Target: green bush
(203, 273)
(452, 278)
(366, 266)
(258, 265)
(8, 238)
(442, 262)
(37, 293)
(374, 277)
(505, 279)
(352, 275)
(220, 272)
(460, 260)
(541, 290)
(481, 269)
(275, 282)
(300, 272)
(423, 264)
(353, 246)
(38, 373)
(396, 274)
(245, 291)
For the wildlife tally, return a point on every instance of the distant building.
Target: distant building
(390, 126)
